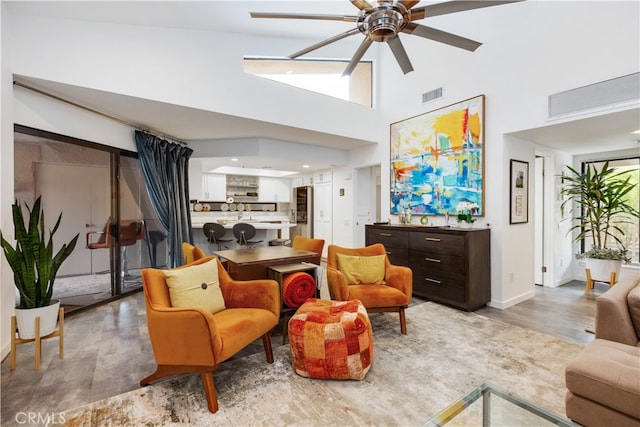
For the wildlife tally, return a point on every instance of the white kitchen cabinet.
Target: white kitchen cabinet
(302, 180)
(274, 190)
(214, 187)
(322, 176)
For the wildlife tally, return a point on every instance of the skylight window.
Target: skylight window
(329, 84)
(321, 76)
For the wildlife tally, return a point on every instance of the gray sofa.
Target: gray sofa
(603, 381)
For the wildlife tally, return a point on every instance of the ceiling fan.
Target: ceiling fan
(384, 20)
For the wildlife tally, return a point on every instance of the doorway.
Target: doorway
(81, 193)
(367, 188)
(543, 220)
(95, 188)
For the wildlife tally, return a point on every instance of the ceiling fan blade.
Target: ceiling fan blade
(401, 55)
(441, 36)
(325, 42)
(357, 56)
(453, 7)
(343, 18)
(408, 4)
(361, 4)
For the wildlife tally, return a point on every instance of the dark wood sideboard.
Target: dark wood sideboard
(450, 265)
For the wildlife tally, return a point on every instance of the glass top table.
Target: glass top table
(489, 405)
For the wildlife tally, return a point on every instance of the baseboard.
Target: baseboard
(502, 305)
(564, 281)
(5, 351)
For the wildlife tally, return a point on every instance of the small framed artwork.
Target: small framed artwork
(519, 192)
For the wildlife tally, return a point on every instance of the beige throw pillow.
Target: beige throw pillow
(362, 269)
(196, 286)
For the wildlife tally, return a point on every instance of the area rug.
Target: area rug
(445, 354)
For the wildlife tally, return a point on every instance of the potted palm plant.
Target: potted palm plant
(602, 210)
(34, 268)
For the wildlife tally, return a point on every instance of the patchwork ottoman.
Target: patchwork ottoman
(331, 340)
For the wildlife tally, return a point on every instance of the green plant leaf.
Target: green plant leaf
(599, 206)
(32, 261)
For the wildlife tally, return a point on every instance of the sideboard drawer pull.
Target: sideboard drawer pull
(432, 260)
(432, 280)
(385, 234)
(432, 239)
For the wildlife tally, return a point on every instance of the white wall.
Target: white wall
(7, 300)
(531, 49)
(198, 69)
(41, 112)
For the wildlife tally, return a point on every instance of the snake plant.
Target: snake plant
(32, 260)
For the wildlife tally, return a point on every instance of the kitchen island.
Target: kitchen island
(267, 229)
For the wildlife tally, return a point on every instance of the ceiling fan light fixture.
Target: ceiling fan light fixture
(383, 23)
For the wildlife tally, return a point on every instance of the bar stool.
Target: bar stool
(130, 232)
(243, 233)
(214, 233)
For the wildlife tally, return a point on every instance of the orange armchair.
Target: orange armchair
(311, 245)
(195, 340)
(191, 253)
(393, 296)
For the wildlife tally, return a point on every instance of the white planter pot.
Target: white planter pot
(601, 269)
(26, 319)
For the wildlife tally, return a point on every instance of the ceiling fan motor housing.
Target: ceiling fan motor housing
(383, 22)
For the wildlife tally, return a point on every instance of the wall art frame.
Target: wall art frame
(437, 160)
(518, 192)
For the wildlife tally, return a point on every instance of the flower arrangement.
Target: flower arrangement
(465, 211)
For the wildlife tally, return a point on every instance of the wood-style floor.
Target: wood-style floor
(563, 312)
(107, 350)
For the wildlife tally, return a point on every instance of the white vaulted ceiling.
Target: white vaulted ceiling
(233, 17)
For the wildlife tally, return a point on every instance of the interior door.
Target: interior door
(367, 202)
(322, 218)
(82, 194)
(538, 225)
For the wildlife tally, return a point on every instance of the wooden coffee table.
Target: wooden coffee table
(252, 263)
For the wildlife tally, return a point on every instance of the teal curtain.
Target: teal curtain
(165, 166)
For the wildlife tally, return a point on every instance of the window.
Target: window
(629, 229)
(321, 76)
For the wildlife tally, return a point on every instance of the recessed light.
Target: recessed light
(234, 160)
(637, 132)
(306, 166)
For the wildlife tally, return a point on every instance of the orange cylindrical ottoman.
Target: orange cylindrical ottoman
(331, 340)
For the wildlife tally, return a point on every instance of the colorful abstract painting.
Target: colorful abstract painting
(437, 160)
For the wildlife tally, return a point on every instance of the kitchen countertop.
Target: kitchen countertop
(259, 225)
